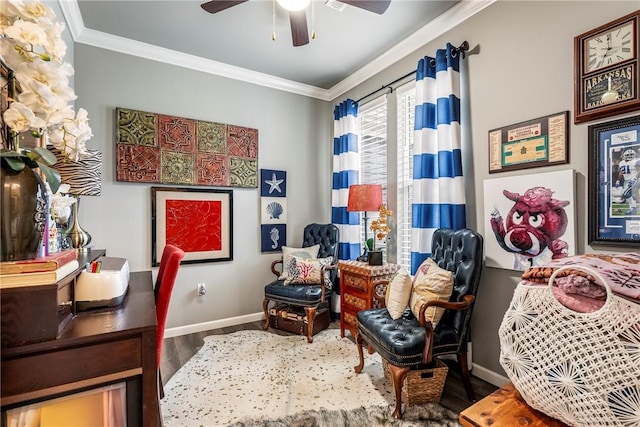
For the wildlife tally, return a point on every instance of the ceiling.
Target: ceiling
(237, 42)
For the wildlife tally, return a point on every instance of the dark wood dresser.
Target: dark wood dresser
(93, 349)
(356, 289)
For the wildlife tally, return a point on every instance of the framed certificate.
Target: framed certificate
(538, 142)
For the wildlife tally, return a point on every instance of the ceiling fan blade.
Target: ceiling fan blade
(375, 6)
(299, 31)
(215, 6)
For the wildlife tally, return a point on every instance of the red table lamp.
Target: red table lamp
(364, 198)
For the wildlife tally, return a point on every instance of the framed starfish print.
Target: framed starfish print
(198, 221)
(273, 183)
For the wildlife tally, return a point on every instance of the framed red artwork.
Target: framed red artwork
(198, 221)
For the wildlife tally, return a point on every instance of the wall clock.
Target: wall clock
(606, 62)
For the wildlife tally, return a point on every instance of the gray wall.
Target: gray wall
(524, 70)
(293, 136)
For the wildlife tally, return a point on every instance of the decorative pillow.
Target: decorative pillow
(307, 271)
(287, 252)
(431, 283)
(398, 293)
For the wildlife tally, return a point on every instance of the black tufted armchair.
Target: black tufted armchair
(311, 297)
(408, 343)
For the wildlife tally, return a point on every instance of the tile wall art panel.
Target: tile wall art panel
(164, 149)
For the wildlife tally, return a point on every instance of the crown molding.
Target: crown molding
(90, 37)
(452, 17)
(435, 28)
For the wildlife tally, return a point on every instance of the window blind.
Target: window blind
(406, 111)
(373, 148)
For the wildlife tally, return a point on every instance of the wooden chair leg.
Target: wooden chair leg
(398, 374)
(466, 376)
(265, 305)
(160, 386)
(358, 368)
(311, 315)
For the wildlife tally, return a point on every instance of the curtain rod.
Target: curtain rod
(464, 47)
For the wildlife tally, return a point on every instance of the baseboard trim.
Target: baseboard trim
(489, 376)
(478, 370)
(214, 324)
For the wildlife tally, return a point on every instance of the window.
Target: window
(373, 142)
(406, 111)
(373, 148)
(373, 157)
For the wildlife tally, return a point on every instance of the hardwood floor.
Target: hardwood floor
(177, 351)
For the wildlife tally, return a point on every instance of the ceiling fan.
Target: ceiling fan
(297, 15)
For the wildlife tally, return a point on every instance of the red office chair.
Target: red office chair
(169, 264)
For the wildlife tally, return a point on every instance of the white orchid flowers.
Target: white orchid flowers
(61, 204)
(32, 46)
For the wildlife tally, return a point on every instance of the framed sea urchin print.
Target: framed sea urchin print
(198, 221)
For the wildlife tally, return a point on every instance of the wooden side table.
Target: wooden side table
(96, 348)
(505, 408)
(356, 289)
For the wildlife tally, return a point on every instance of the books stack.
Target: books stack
(38, 271)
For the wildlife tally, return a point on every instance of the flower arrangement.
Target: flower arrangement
(32, 47)
(379, 225)
(61, 204)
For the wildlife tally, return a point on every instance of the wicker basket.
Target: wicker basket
(581, 368)
(421, 385)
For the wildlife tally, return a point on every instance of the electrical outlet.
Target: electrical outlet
(201, 289)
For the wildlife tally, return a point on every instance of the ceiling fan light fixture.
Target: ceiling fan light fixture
(294, 5)
(335, 4)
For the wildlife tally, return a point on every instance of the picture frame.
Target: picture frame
(612, 218)
(199, 221)
(606, 67)
(533, 143)
(529, 220)
(273, 210)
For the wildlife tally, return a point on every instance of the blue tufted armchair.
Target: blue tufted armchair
(311, 297)
(409, 343)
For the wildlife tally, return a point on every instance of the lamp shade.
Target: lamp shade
(364, 198)
(84, 176)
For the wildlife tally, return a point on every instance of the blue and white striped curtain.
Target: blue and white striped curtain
(346, 170)
(438, 186)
